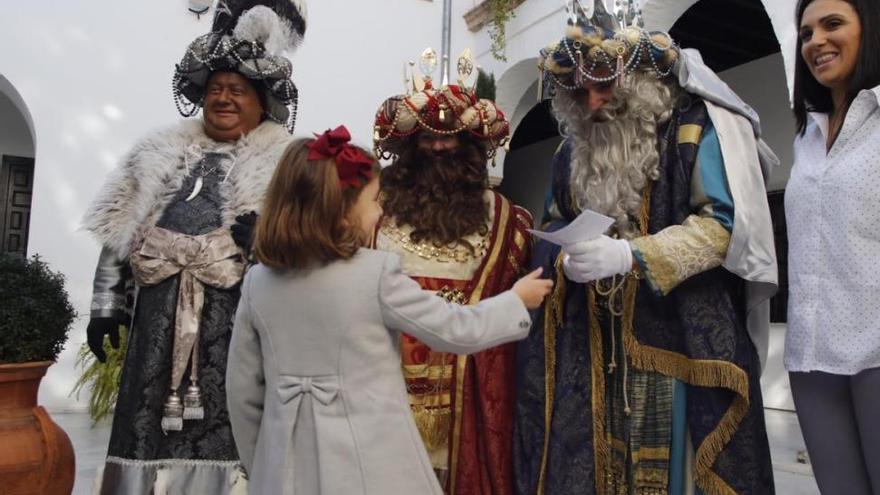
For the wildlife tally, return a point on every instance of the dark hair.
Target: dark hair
(302, 221)
(441, 198)
(809, 94)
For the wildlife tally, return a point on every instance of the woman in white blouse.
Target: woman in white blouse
(832, 207)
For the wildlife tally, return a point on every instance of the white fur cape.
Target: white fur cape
(137, 192)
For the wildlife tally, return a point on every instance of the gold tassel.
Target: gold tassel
(434, 424)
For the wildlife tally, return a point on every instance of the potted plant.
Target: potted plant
(36, 456)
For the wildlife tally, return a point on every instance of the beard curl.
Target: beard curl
(440, 195)
(615, 149)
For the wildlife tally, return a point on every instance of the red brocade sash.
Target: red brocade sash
(467, 401)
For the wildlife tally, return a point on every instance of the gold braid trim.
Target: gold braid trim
(553, 310)
(699, 372)
(601, 440)
(502, 208)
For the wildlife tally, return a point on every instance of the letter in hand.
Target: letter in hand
(532, 289)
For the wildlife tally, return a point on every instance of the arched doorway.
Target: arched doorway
(737, 40)
(16, 170)
(527, 165)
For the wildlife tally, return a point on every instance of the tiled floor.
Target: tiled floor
(792, 478)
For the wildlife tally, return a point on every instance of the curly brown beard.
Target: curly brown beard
(440, 195)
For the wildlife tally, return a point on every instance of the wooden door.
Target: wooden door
(16, 188)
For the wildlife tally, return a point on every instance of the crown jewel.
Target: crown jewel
(601, 47)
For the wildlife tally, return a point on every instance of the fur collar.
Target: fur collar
(136, 193)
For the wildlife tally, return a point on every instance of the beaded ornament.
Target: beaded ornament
(448, 110)
(604, 48)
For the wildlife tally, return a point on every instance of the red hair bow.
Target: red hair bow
(351, 162)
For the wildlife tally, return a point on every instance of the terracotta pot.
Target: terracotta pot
(36, 457)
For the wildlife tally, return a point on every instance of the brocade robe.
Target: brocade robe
(153, 187)
(593, 408)
(463, 405)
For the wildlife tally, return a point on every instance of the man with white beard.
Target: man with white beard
(641, 373)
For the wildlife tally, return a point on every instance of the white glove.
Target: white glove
(597, 259)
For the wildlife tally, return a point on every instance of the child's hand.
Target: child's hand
(532, 289)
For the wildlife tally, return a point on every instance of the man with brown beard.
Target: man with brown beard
(466, 242)
(651, 344)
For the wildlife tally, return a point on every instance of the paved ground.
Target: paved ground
(792, 478)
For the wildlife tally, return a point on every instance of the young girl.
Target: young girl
(316, 396)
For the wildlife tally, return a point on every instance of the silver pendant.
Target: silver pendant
(196, 189)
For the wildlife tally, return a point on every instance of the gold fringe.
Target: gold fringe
(601, 440)
(553, 310)
(699, 372)
(434, 425)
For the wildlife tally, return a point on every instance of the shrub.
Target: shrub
(35, 313)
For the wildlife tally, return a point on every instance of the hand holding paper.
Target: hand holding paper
(589, 254)
(596, 259)
(587, 226)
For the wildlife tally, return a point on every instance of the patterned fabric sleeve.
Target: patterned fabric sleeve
(679, 252)
(109, 287)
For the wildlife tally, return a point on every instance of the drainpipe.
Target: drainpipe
(446, 43)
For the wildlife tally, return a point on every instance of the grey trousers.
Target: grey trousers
(840, 418)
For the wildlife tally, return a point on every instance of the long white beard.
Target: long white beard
(614, 159)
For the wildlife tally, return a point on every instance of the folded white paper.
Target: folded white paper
(586, 227)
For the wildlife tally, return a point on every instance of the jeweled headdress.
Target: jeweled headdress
(250, 37)
(600, 47)
(449, 109)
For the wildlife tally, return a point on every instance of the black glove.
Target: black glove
(95, 332)
(243, 230)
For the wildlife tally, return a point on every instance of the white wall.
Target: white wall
(15, 137)
(96, 74)
(761, 84)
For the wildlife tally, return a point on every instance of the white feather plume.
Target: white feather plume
(263, 24)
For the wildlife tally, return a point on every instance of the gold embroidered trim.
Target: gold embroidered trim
(427, 371)
(461, 363)
(601, 440)
(679, 252)
(689, 134)
(452, 253)
(699, 372)
(651, 453)
(456, 296)
(552, 319)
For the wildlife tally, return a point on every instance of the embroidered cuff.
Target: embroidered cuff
(679, 252)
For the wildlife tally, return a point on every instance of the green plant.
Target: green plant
(501, 12)
(35, 312)
(101, 379)
(485, 85)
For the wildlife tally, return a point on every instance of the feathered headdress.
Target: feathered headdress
(449, 109)
(603, 48)
(253, 38)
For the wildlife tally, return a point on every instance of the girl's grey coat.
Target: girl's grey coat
(316, 396)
